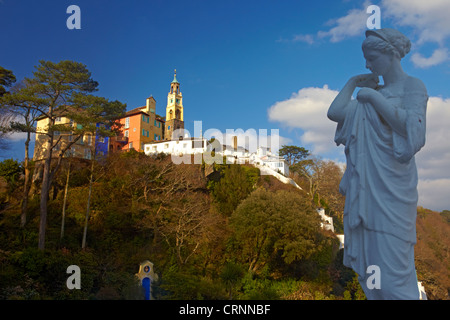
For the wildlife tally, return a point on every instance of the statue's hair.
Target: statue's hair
(387, 41)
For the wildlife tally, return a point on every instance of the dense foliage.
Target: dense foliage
(208, 237)
(201, 234)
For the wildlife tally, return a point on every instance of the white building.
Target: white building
(327, 221)
(263, 159)
(177, 147)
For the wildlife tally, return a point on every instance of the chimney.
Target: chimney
(150, 105)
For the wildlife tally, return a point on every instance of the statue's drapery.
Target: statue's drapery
(380, 185)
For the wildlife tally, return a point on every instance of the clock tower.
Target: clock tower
(174, 110)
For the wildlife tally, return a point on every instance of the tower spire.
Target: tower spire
(174, 109)
(175, 77)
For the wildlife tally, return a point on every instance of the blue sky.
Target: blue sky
(241, 64)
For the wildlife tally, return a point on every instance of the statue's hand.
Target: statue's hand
(366, 95)
(368, 80)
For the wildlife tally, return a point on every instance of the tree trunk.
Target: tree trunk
(64, 203)
(45, 188)
(83, 244)
(26, 187)
(44, 200)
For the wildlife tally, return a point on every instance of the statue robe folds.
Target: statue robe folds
(380, 185)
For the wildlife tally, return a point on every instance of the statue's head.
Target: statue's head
(384, 46)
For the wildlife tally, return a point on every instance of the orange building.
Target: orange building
(140, 126)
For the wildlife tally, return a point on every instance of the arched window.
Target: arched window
(170, 114)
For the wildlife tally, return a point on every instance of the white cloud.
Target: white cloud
(430, 19)
(353, 24)
(433, 194)
(438, 56)
(433, 161)
(307, 109)
(308, 38)
(19, 136)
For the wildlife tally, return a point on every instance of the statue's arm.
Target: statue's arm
(394, 116)
(336, 112)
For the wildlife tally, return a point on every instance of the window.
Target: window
(126, 133)
(130, 145)
(168, 128)
(89, 139)
(196, 144)
(127, 122)
(58, 119)
(87, 153)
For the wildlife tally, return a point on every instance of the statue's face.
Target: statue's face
(377, 62)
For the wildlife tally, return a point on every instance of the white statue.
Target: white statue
(382, 129)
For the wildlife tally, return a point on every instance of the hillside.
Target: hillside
(432, 253)
(212, 233)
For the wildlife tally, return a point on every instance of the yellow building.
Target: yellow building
(174, 110)
(83, 148)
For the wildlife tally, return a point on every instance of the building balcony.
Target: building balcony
(122, 139)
